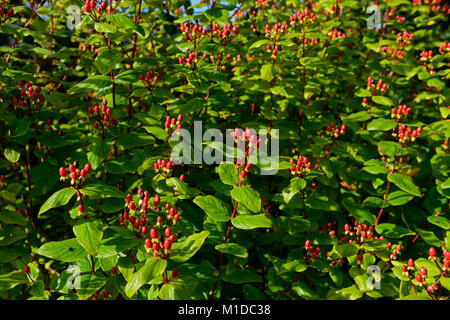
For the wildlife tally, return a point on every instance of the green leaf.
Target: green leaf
(232, 248)
(405, 183)
(398, 198)
(122, 21)
(58, 199)
(89, 284)
(89, 234)
(9, 235)
(99, 190)
(248, 197)
(239, 276)
(247, 222)
(391, 148)
(259, 43)
(349, 293)
(382, 100)
(12, 279)
(175, 290)
(228, 173)
(381, 124)
(429, 237)
(12, 217)
(393, 231)
(178, 185)
(295, 186)
(346, 250)
(92, 83)
(152, 269)
(298, 224)
(303, 291)
(183, 251)
(11, 155)
(359, 212)
(68, 250)
(252, 293)
(107, 60)
(439, 221)
(213, 207)
(266, 72)
(98, 151)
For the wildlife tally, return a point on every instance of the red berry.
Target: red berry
(62, 172)
(26, 269)
(87, 168)
(148, 243)
(106, 293)
(73, 175)
(144, 230)
(81, 208)
(156, 201)
(113, 270)
(153, 233)
(174, 273)
(155, 247)
(167, 244)
(419, 277)
(167, 232)
(307, 243)
(411, 262)
(423, 271)
(432, 252)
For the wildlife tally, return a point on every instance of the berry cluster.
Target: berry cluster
(401, 112)
(247, 141)
(302, 18)
(2, 182)
(28, 95)
(311, 253)
(6, 14)
(379, 88)
(425, 56)
(394, 54)
(150, 75)
(134, 218)
(404, 38)
(101, 116)
(76, 175)
(335, 33)
(173, 124)
(434, 5)
(406, 135)
(334, 131)
(90, 5)
(445, 48)
(165, 167)
(302, 167)
(193, 32)
(357, 233)
(106, 294)
(276, 32)
(422, 276)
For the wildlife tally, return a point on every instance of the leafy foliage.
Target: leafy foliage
(363, 179)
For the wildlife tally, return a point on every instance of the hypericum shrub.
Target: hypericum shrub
(94, 203)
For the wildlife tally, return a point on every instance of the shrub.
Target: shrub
(94, 204)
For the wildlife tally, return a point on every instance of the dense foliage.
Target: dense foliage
(93, 207)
